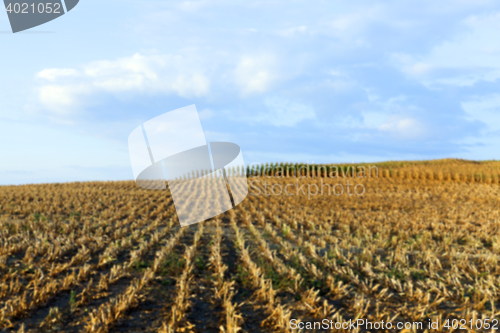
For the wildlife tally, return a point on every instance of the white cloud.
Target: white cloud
(350, 27)
(62, 100)
(411, 66)
(485, 109)
(467, 58)
(255, 74)
(282, 112)
(193, 6)
(340, 82)
(419, 68)
(292, 32)
(346, 24)
(68, 89)
(407, 128)
(56, 73)
(455, 5)
(206, 114)
(395, 117)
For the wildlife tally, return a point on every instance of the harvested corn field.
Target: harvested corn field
(111, 257)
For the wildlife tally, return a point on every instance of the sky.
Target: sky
(288, 81)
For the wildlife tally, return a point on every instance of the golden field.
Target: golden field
(421, 244)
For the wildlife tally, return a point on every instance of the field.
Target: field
(421, 244)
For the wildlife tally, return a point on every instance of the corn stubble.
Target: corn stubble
(412, 248)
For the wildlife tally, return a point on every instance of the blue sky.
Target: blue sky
(309, 81)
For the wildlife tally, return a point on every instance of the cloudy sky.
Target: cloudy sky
(310, 81)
